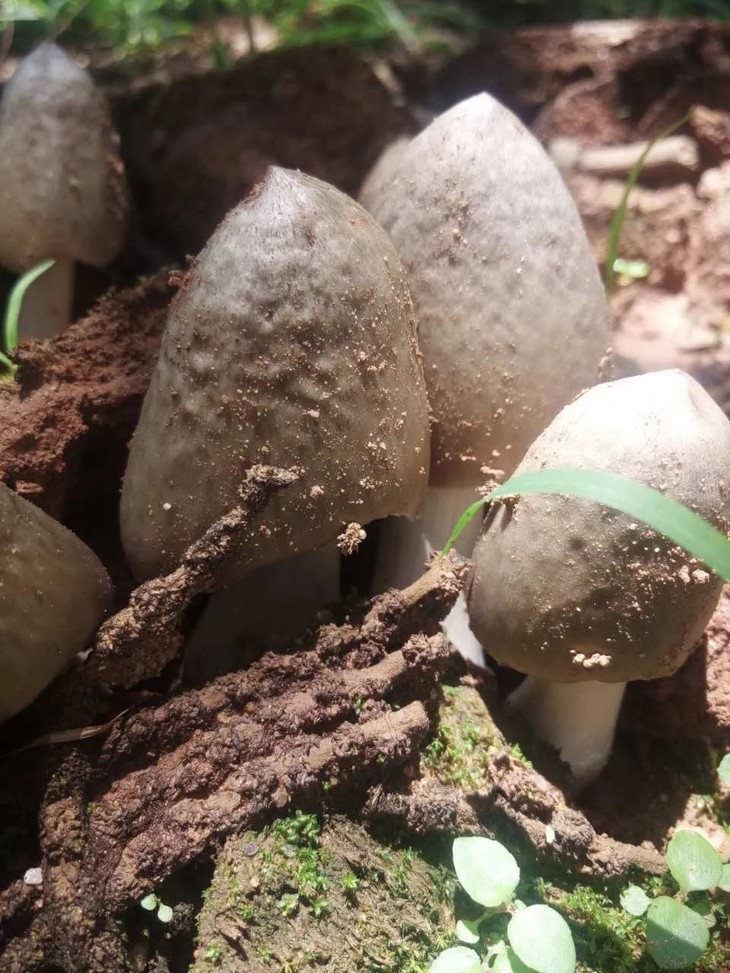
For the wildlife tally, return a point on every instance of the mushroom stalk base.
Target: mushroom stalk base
(47, 307)
(405, 545)
(577, 718)
(266, 611)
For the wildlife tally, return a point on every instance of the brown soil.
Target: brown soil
(164, 772)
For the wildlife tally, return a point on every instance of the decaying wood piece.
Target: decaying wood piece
(499, 795)
(172, 779)
(137, 642)
(522, 804)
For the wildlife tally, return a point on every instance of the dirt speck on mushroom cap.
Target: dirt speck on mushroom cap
(565, 589)
(512, 315)
(293, 344)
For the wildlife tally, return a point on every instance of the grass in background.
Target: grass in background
(129, 26)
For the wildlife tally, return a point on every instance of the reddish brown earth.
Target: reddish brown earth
(177, 768)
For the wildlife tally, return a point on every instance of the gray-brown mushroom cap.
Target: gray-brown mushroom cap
(292, 343)
(62, 186)
(512, 315)
(565, 589)
(54, 591)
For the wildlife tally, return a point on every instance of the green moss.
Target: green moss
(460, 752)
(305, 898)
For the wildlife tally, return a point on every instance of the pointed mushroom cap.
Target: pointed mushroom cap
(54, 592)
(292, 343)
(566, 589)
(513, 320)
(62, 186)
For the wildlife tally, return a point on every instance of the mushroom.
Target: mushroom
(512, 315)
(583, 598)
(292, 343)
(62, 188)
(54, 591)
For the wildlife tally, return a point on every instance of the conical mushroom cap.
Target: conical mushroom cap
(512, 315)
(62, 188)
(293, 343)
(566, 589)
(54, 592)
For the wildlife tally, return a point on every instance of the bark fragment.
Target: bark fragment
(173, 778)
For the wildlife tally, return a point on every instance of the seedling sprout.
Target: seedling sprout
(538, 939)
(678, 928)
(620, 215)
(12, 314)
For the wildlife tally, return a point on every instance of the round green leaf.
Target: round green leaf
(149, 902)
(486, 870)
(675, 935)
(693, 862)
(467, 932)
(724, 882)
(542, 940)
(164, 913)
(723, 770)
(508, 962)
(635, 900)
(458, 959)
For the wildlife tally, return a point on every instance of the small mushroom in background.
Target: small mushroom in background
(583, 598)
(513, 320)
(63, 192)
(293, 344)
(54, 592)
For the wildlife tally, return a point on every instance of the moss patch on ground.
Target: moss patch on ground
(299, 897)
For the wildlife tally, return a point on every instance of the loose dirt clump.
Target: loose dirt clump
(77, 392)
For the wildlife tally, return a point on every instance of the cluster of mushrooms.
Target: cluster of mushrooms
(400, 354)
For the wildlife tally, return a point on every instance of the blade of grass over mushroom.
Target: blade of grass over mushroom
(666, 516)
(619, 216)
(15, 303)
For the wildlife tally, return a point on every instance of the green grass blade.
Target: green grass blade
(619, 216)
(666, 516)
(10, 366)
(15, 302)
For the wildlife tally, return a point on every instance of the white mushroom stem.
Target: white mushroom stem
(268, 610)
(577, 718)
(405, 545)
(47, 307)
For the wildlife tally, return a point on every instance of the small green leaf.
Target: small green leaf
(486, 870)
(164, 913)
(675, 935)
(467, 931)
(723, 770)
(149, 902)
(670, 518)
(635, 900)
(636, 269)
(724, 882)
(542, 940)
(693, 862)
(458, 959)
